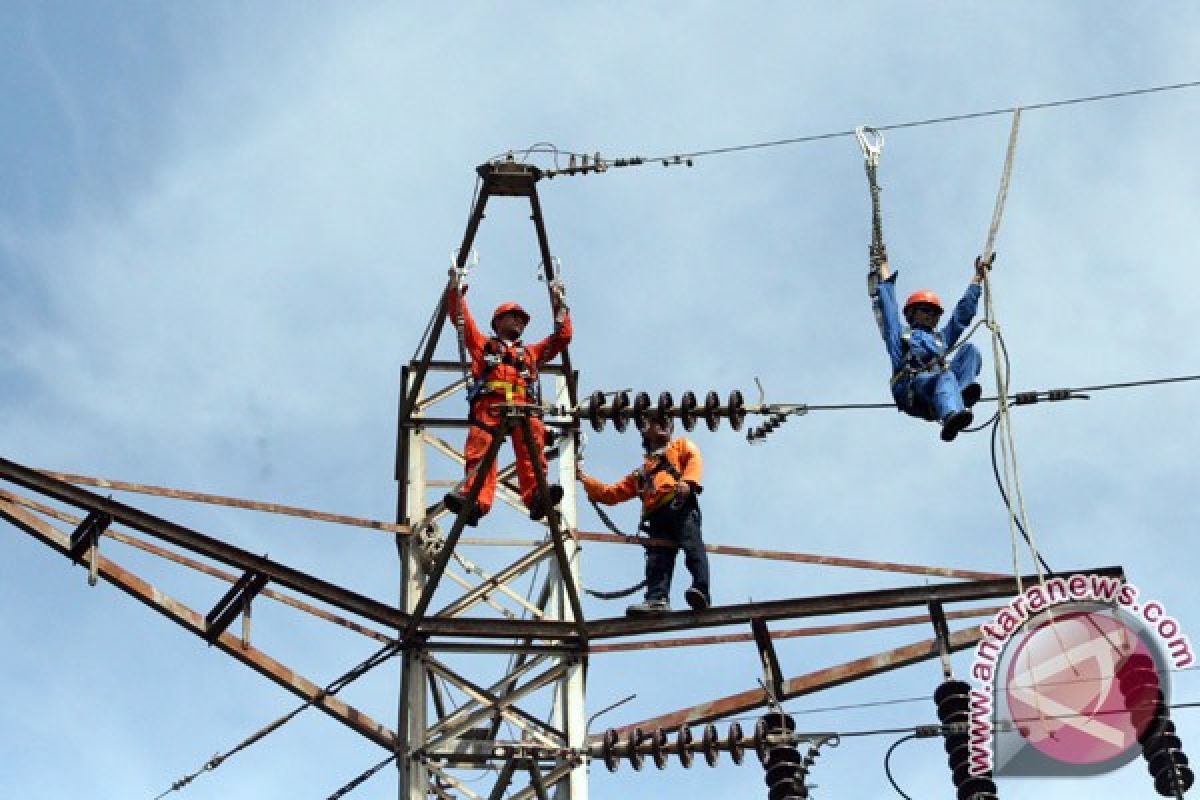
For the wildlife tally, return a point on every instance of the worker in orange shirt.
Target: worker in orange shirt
(505, 371)
(668, 483)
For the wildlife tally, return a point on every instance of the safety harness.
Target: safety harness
(911, 364)
(645, 481)
(496, 353)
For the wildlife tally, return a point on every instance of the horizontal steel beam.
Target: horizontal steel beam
(203, 545)
(743, 614)
(851, 602)
(792, 633)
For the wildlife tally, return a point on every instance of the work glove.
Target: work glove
(983, 267)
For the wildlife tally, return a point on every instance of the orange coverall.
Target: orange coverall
(658, 487)
(505, 385)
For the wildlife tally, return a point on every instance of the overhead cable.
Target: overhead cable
(333, 688)
(1095, 98)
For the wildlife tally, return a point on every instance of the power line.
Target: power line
(1095, 98)
(1027, 398)
(796, 712)
(333, 688)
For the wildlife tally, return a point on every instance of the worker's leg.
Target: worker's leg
(910, 402)
(478, 442)
(691, 541)
(966, 364)
(526, 478)
(660, 561)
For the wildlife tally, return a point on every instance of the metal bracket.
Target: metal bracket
(772, 675)
(509, 178)
(234, 602)
(88, 534)
(937, 618)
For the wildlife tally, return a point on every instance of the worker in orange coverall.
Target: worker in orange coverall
(505, 371)
(668, 483)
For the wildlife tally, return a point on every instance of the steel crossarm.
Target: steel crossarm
(202, 544)
(824, 605)
(194, 622)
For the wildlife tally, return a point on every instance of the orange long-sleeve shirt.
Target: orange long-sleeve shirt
(659, 487)
(476, 341)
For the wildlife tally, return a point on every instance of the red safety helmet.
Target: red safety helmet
(923, 296)
(509, 308)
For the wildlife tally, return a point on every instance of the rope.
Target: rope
(380, 656)
(1008, 456)
(1008, 445)
(619, 593)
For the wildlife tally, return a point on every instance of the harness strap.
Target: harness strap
(495, 354)
(911, 365)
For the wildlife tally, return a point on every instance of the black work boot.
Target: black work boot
(954, 423)
(648, 607)
(455, 503)
(539, 507)
(971, 394)
(697, 599)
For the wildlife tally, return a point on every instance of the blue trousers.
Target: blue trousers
(681, 525)
(937, 394)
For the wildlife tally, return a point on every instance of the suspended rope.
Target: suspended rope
(617, 594)
(1011, 478)
(1010, 486)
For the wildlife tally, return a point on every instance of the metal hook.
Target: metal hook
(555, 270)
(871, 141)
(469, 263)
(762, 393)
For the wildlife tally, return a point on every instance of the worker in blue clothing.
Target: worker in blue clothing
(923, 383)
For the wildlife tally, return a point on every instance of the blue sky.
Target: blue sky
(223, 227)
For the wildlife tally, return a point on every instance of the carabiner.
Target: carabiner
(469, 263)
(871, 142)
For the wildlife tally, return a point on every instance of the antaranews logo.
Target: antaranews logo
(1069, 676)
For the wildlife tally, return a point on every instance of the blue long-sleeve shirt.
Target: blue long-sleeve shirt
(922, 345)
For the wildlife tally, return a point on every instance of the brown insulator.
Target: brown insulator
(683, 746)
(619, 411)
(666, 405)
(712, 410)
(595, 410)
(736, 410)
(641, 404)
(687, 410)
